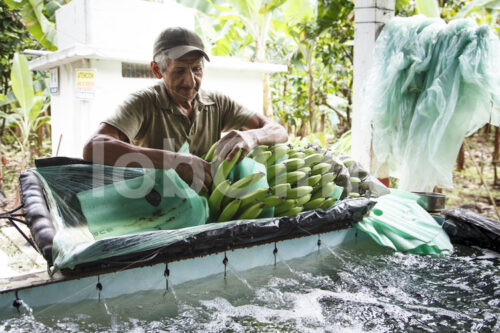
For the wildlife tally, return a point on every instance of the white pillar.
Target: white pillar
(369, 17)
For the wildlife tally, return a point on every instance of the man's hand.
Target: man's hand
(233, 142)
(195, 171)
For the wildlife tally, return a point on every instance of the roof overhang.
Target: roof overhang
(79, 52)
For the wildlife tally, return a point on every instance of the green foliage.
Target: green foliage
(29, 106)
(234, 26)
(343, 145)
(13, 38)
(484, 12)
(479, 6)
(427, 7)
(34, 16)
(322, 53)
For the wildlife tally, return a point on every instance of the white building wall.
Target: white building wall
(77, 119)
(128, 25)
(100, 35)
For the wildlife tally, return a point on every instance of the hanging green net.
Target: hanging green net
(431, 85)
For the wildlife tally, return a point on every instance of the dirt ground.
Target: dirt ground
(468, 193)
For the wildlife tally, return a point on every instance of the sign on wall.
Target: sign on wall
(54, 81)
(85, 83)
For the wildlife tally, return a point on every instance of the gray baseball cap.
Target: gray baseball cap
(178, 41)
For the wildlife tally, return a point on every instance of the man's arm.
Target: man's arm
(258, 130)
(110, 146)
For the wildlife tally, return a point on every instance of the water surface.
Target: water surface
(358, 287)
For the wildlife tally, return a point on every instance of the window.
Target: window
(136, 71)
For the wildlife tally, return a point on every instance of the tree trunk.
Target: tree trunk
(267, 105)
(5, 86)
(349, 101)
(486, 131)
(285, 86)
(260, 56)
(285, 94)
(302, 129)
(496, 155)
(461, 159)
(310, 98)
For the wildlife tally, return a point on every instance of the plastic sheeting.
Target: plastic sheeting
(431, 85)
(399, 222)
(91, 202)
(466, 227)
(78, 199)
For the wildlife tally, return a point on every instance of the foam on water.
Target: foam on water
(354, 288)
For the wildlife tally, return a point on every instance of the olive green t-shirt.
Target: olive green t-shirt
(150, 119)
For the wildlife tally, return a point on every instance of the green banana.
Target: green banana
(285, 206)
(303, 199)
(313, 159)
(252, 212)
(258, 150)
(323, 191)
(278, 145)
(306, 170)
(320, 168)
(229, 211)
(291, 212)
(348, 162)
(311, 180)
(298, 192)
(215, 199)
(297, 154)
(272, 201)
(341, 179)
(263, 156)
(355, 180)
(253, 197)
(293, 164)
(210, 153)
(278, 153)
(281, 189)
(294, 176)
(278, 179)
(226, 200)
(309, 151)
(238, 188)
(223, 170)
(327, 177)
(327, 203)
(354, 195)
(274, 170)
(314, 204)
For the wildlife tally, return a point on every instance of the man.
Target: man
(152, 124)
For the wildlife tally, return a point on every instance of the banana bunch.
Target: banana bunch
(299, 178)
(350, 174)
(234, 200)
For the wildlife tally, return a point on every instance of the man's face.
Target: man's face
(183, 76)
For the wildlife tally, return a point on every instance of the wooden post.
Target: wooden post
(370, 17)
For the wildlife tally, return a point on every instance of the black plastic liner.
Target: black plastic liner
(468, 228)
(57, 161)
(253, 232)
(227, 237)
(37, 214)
